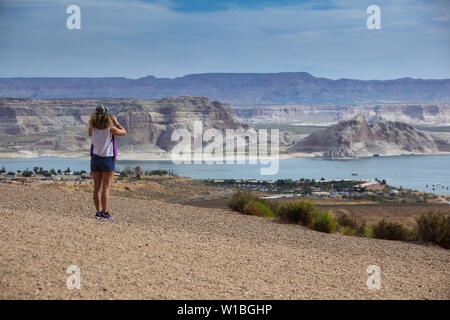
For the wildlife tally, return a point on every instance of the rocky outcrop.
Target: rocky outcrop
(356, 138)
(61, 124)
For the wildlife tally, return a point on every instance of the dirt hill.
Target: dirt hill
(158, 250)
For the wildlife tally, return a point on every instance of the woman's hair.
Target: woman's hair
(100, 120)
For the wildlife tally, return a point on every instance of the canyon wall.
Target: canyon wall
(62, 124)
(418, 114)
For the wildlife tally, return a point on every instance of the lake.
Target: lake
(412, 172)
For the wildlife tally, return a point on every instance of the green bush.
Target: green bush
(239, 199)
(159, 172)
(435, 228)
(268, 209)
(367, 232)
(257, 208)
(324, 221)
(348, 231)
(299, 212)
(391, 231)
(358, 226)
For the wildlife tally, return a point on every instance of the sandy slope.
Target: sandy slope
(159, 250)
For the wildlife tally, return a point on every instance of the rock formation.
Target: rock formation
(61, 124)
(356, 138)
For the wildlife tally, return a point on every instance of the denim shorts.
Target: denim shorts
(105, 164)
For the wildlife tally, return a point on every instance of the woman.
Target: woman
(103, 156)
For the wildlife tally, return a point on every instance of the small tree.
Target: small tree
(3, 170)
(27, 173)
(46, 173)
(36, 169)
(308, 190)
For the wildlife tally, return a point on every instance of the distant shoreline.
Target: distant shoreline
(133, 156)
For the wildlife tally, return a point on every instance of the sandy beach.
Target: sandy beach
(133, 155)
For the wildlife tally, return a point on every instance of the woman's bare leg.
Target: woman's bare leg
(97, 176)
(107, 178)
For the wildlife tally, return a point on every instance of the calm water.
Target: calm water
(412, 172)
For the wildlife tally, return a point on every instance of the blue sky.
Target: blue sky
(171, 38)
(217, 5)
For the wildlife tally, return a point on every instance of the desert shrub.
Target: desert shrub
(257, 208)
(299, 212)
(324, 221)
(239, 199)
(159, 172)
(435, 228)
(358, 226)
(391, 231)
(348, 231)
(367, 232)
(252, 208)
(362, 229)
(127, 172)
(345, 221)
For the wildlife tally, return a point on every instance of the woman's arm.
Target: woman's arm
(118, 130)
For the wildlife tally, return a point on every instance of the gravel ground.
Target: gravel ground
(157, 250)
